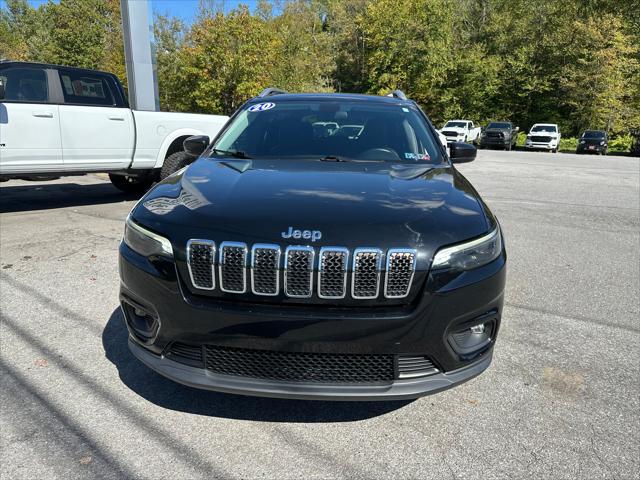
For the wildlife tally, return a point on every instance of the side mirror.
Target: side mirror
(196, 144)
(461, 152)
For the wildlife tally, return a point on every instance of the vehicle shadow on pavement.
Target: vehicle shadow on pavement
(168, 394)
(41, 196)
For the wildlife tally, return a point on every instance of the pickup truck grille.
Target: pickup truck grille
(333, 271)
(540, 138)
(495, 134)
(449, 133)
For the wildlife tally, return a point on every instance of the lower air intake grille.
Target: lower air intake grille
(298, 272)
(300, 367)
(185, 353)
(332, 276)
(233, 262)
(201, 255)
(413, 366)
(400, 270)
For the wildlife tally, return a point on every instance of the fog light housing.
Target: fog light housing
(472, 340)
(142, 323)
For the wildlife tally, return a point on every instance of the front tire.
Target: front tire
(175, 162)
(132, 184)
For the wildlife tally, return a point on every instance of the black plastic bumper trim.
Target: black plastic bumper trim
(396, 390)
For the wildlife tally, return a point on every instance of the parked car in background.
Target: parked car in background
(543, 136)
(499, 134)
(593, 141)
(460, 131)
(57, 120)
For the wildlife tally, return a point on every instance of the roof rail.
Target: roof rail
(267, 92)
(397, 94)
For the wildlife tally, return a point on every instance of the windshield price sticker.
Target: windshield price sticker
(261, 107)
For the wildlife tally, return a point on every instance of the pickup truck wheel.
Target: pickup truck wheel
(131, 184)
(175, 162)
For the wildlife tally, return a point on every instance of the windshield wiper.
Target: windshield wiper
(231, 153)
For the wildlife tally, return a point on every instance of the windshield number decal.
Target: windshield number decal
(417, 156)
(261, 107)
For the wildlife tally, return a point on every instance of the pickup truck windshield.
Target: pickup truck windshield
(593, 134)
(456, 125)
(330, 130)
(544, 128)
(499, 125)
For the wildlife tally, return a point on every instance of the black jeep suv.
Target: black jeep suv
(323, 246)
(593, 141)
(499, 134)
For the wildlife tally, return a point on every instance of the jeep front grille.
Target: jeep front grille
(233, 263)
(298, 272)
(367, 264)
(401, 265)
(332, 272)
(334, 268)
(201, 256)
(265, 269)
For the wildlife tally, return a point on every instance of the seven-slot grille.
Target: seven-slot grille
(201, 255)
(233, 262)
(265, 269)
(333, 270)
(332, 278)
(298, 272)
(367, 264)
(401, 265)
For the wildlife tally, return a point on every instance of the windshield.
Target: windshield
(593, 134)
(456, 125)
(544, 128)
(499, 125)
(330, 130)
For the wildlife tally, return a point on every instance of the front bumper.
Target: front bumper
(424, 328)
(541, 146)
(397, 390)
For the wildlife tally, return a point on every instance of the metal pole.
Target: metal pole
(140, 59)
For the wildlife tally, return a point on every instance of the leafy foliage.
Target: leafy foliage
(575, 63)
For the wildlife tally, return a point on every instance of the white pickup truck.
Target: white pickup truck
(57, 120)
(544, 136)
(460, 131)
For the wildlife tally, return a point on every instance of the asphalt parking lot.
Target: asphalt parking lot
(561, 400)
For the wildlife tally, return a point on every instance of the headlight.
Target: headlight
(582, 142)
(469, 255)
(145, 242)
(601, 143)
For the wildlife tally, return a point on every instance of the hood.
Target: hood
(453, 129)
(352, 204)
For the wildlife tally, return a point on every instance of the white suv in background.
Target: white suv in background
(543, 136)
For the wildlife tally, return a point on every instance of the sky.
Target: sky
(184, 9)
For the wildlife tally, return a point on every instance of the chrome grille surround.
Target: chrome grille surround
(332, 272)
(265, 269)
(366, 271)
(201, 260)
(232, 265)
(298, 271)
(401, 266)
